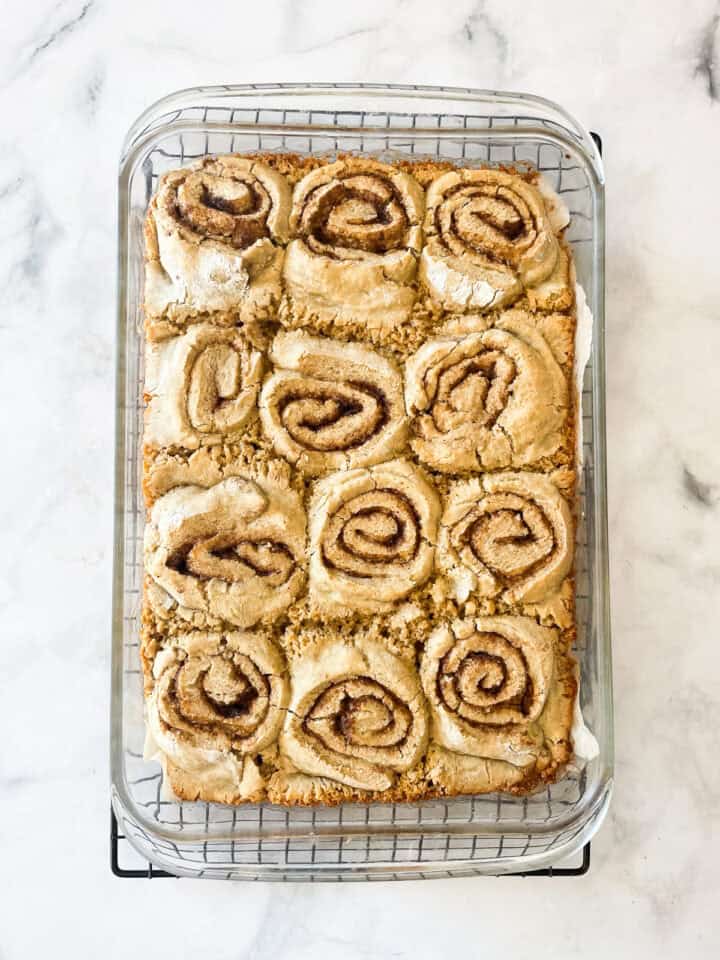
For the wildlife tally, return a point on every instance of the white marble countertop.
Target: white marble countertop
(73, 75)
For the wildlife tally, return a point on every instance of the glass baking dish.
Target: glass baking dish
(488, 834)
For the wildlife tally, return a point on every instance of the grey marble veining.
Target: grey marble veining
(73, 75)
(707, 56)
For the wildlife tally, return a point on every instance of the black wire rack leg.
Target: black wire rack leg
(116, 838)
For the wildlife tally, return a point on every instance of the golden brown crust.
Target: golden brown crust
(196, 450)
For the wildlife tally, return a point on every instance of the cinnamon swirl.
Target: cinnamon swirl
(235, 551)
(372, 536)
(202, 387)
(357, 235)
(489, 237)
(507, 535)
(492, 395)
(218, 699)
(356, 715)
(214, 242)
(332, 405)
(486, 681)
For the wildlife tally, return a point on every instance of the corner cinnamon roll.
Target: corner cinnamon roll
(487, 682)
(489, 237)
(217, 701)
(214, 242)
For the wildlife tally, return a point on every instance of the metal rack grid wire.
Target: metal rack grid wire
(406, 849)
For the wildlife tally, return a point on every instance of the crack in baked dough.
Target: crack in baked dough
(488, 238)
(332, 405)
(491, 395)
(356, 227)
(508, 535)
(372, 536)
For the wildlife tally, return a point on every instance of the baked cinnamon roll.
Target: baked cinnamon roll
(488, 237)
(217, 701)
(507, 535)
(357, 236)
(491, 395)
(235, 551)
(356, 715)
(214, 242)
(202, 387)
(332, 405)
(372, 536)
(487, 682)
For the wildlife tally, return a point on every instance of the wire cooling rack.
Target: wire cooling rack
(409, 851)
(127, 864)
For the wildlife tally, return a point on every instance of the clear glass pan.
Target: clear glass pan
(487, 834)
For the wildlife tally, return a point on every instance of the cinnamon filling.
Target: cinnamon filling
(490, 222)
(508, 535)
(217, 691)
(358, 212)
(375, 529)
(333, 417)
(476, 390)
(234, 560)
(486, 679)
(359, 713)
(224, 208)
